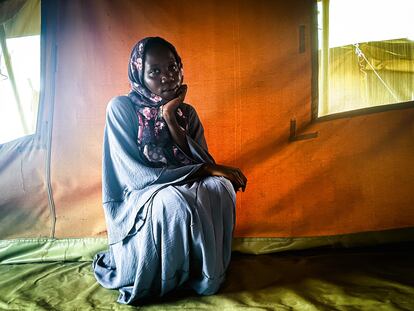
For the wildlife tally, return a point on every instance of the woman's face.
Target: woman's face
(161, 73)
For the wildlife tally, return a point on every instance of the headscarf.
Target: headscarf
(153, 138)
(140, 94)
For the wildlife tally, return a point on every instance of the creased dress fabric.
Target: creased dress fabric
(164, 230)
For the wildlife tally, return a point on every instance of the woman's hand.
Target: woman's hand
(169, 108)
(233, 174)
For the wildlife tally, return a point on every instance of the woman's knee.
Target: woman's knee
(169, 204)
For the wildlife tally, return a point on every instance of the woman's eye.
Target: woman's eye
(154, 72)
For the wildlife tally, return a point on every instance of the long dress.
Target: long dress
(165, 230)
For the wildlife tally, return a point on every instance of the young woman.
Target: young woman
(169, 207)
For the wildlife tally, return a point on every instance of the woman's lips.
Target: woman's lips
(170, 90)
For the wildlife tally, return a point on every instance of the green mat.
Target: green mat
(380, 278)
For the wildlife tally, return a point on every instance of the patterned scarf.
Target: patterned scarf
(154, 138)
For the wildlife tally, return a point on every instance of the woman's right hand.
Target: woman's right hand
(233, 174)
(169, 108)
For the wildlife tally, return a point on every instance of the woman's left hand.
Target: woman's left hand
(235, 175)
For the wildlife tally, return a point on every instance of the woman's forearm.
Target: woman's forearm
(177, 132)
(203, 171)
(234, 175)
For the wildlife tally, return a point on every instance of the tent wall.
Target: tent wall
(247, 78)
(25, 198)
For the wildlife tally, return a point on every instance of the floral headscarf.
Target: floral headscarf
(140, 94)
(153, 138)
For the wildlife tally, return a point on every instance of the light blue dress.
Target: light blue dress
(165, 231)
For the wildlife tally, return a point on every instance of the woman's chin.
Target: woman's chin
(169, 95)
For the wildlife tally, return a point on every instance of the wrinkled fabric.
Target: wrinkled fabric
(375, 278)
(187, 237)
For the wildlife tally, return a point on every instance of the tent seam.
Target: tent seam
(51, 202)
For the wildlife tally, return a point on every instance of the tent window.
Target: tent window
(19, 68)
(365, 54)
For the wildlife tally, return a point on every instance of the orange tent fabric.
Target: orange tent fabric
(247, 79)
